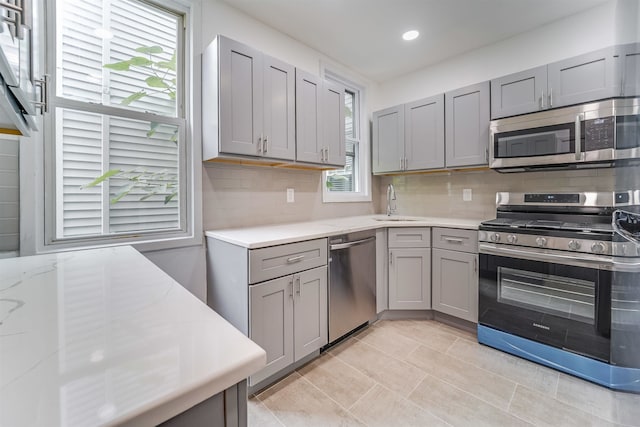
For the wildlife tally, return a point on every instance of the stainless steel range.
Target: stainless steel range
(559, 286)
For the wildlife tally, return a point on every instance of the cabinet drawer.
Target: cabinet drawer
(276, 261)
(455, 239)
(410, 237)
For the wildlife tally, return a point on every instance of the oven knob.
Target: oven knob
(541, 241)
(512, 238)
(574, 245)
(598, 247)
(495, 237)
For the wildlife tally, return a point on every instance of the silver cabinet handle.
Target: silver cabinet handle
(391, 258)
(291, 288)
(265, 147)
(401, 163)
(260, 144)
(578, 136)
(295, 259)
(475, 264)
(298, 286)
(550, 97)
(542, 99)
(453, 240)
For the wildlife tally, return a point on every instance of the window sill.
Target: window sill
(328, 197)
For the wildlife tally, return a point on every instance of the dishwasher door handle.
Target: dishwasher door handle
(351, 244)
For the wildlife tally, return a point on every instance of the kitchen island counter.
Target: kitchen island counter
(104, 337)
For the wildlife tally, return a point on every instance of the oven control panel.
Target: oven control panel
(598, 247)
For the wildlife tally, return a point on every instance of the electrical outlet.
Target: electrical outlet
(466, 195)
(290, 195)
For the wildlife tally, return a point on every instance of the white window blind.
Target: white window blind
(9, 197)
(345, 180)
(118, 115)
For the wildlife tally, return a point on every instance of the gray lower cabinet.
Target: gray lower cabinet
(409, 268)
(588, 77)
(288, 318)
(455, 273)
(467, 126)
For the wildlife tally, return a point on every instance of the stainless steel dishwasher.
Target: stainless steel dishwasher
(352, 282)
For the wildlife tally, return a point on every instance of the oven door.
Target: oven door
(552, 299)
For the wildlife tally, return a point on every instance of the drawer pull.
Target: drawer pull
(452, 240)
(295, 259)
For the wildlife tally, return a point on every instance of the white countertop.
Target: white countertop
(259, 237)
(104, 337)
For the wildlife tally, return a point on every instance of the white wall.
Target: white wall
(593, 29)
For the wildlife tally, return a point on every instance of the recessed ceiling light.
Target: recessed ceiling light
(410, 35)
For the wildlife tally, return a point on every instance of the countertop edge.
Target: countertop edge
(328, 228)
(177, 403)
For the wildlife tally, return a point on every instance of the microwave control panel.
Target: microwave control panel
(599, 134)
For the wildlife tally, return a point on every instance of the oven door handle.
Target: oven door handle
(544, 255)
(602, 262)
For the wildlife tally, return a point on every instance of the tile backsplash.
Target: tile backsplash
(245, 196)
(440, 194)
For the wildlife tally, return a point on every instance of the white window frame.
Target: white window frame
(190, 233)
(363, 176)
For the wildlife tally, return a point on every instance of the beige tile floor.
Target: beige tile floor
(425, 373)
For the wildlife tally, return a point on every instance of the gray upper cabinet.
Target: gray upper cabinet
(333, 124)
(388, 140)
(248, 103)
(519, 93)
(308, 117)
(409, 137)
(319, 121)
(467, 125)
(279, 109)
(630, 62)
(589, 77)
(424, 134)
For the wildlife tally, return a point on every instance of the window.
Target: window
(352, 183)
(116, 162)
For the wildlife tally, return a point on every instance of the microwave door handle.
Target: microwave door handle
(578, 136)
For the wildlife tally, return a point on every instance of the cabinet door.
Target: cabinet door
(240, 98)
(424, 133)
(595, 75)
(279, 110)
(308, 117)
(519, 93)
(388, 140)
(333, 124)
(455, 284)
(310, 322)
(271, 324)
(410, 278)
(467, 129)
(630, 56)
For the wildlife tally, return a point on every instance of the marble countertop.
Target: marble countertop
(104, 337)
(259, 237)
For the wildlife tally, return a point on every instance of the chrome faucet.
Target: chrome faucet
(391, 195)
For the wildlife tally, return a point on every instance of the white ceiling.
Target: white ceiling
(365, 35)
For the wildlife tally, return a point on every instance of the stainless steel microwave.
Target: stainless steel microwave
(598, 134)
